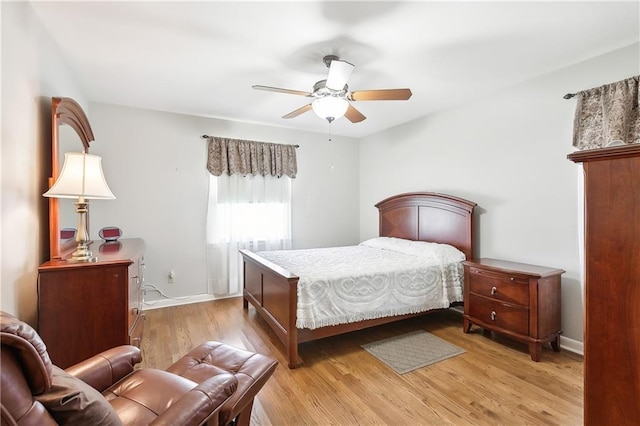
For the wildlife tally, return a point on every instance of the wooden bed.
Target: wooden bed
(424, 216)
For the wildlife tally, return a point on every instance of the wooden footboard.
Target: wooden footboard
(273, 292)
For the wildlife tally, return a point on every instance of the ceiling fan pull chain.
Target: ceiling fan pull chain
(330, 129)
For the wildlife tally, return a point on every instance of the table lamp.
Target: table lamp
(81, 178)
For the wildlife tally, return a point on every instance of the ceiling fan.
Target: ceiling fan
(332, 96)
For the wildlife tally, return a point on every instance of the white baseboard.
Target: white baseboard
(165, 303)
(572, 345)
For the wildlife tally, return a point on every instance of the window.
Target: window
(252, 212)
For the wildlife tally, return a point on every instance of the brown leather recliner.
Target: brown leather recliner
(104, 389)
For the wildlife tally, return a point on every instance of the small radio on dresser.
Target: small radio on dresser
(110, 233)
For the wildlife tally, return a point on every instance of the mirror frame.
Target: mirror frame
(69, 112)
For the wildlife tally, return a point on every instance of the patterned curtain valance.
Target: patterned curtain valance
(229, 156)
(607, 115)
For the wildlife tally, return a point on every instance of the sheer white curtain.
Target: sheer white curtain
(252, 212)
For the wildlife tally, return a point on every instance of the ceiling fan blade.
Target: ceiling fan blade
(297, 112)
(339, 72)
(381, 95)
(353, 115)
(280, 90)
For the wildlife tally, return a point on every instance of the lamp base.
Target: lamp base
(82, 254)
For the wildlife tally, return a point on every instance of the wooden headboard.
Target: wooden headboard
(429, 216)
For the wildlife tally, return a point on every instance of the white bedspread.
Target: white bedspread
(378, 278)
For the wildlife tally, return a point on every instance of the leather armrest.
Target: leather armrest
(102, 370)
(201, 403)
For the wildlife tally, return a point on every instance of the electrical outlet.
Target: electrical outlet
(172, 277)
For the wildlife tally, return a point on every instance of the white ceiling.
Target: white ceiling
(201, 58)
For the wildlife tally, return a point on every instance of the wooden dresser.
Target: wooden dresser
(612, 283)
(515, 299)
(86, 308)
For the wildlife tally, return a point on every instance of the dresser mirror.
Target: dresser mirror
(70, 131)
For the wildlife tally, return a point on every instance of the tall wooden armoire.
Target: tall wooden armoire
(612, 262)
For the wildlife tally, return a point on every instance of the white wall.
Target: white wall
(32, 72)
(506, 152)
(155, 164)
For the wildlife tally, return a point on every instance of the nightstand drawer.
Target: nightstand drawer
(499, 286)
(507, 317)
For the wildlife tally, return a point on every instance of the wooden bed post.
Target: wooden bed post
(292, 335)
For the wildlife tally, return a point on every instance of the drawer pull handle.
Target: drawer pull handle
(493, 315)
(512, 279)
(494, 290)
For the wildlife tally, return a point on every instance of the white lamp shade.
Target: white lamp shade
(81, 176)
(330, 107)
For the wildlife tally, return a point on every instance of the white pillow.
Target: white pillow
(442, 252)
(389, 243)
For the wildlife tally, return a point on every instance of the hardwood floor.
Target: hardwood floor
(493, 383)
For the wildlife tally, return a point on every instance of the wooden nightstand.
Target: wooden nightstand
(515, 299)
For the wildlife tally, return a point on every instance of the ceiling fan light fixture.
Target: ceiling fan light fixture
(332, 96)
(330, 107)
